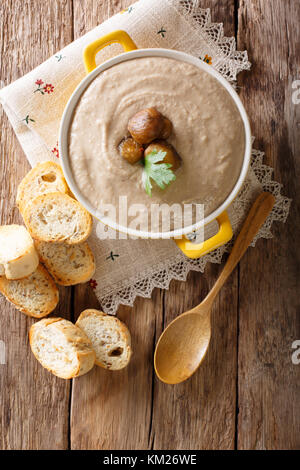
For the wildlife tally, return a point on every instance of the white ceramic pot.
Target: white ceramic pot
(192, 250)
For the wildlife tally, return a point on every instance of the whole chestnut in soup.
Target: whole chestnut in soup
(167, 129)
(131, 150)
(147, 125)
(171, 156)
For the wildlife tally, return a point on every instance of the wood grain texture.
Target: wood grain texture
(113, 409)
(33, 403)
(186, 416)
(128, 392)
(268, 396)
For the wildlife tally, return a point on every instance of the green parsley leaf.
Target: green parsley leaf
(158, 172)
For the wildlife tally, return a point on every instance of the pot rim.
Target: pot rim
(67, 119)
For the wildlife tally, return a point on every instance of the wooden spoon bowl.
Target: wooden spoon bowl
(177, 358)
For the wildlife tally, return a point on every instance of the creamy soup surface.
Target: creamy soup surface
(208, 134)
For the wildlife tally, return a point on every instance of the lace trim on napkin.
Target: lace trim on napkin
(227, 60)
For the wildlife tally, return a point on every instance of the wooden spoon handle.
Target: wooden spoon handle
(255, 219)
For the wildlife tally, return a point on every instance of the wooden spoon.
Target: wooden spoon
(182, 346)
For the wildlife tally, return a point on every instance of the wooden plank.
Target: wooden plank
(201, 413)
(268, 393)
(132, 409)
(33, 403)
(113, 410)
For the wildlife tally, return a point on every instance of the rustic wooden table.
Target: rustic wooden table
(245, 394)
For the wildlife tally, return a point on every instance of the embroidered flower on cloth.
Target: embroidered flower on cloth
(112, 256)
(60, 57)
(93, 283)
(27, 119)
(127, 10)
(162, 32)
(55, 151)
(48, 88)
(208, 60)
(39, 84)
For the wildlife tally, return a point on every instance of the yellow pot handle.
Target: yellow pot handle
(89, 53)
(194, 250)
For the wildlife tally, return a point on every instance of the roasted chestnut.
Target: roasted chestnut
(149, 124)
(131, 150)
(167, 129)
(171, 157)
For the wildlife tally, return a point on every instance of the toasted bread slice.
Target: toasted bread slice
(36, 295)
(46, 177)
(61, 347)
(57, 218)
(109, 336)
(67, 264)
(18, 256)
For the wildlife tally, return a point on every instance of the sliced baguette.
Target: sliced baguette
(46, 177)
(67, 264)
(109, 336)
(57, 217)
(18, 256)
(36, 295)
(61, 347)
